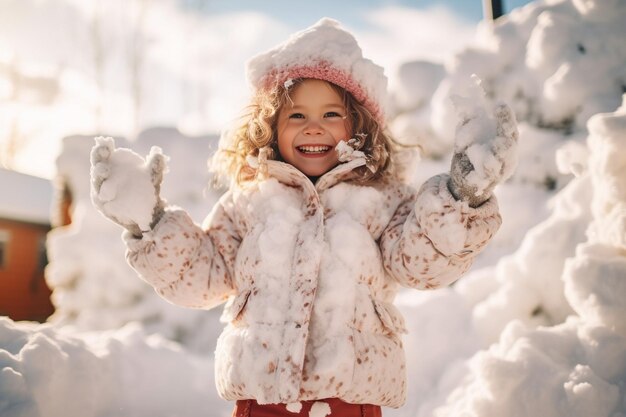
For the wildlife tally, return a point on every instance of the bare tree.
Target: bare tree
(36, 90)
(137, 54)
(98, 59)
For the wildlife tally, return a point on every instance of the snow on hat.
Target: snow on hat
(327, 52)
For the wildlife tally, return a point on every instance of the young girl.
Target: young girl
(315, 234)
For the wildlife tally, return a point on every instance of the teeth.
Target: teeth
(313, 149)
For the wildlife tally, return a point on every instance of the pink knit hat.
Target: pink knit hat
(327, 52)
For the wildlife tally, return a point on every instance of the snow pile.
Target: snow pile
(595, 279)
(578, 367)
(526, 285)
(416, 82)
(555, 62)
(93, 287)
(46, 372)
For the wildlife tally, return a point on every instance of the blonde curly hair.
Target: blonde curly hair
(256, 129)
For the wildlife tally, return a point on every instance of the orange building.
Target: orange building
(24, 222)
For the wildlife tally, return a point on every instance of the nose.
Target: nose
(313, 128)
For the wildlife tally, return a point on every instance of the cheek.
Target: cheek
(345, 131)
(283, 137)
(342, 133)
(285, 141)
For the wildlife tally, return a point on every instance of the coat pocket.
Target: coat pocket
(390, 316)
(234, 307)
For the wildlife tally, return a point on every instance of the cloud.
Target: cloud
(400, 34)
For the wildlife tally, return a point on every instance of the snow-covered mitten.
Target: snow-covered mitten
(126, 187)
(485, 148)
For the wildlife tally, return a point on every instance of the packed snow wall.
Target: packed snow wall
(93, 287)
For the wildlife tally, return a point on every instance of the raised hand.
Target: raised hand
(126, 187)
(485, 148)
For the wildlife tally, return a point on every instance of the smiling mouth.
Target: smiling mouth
(314, 150)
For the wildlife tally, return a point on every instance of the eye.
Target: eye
(332, 114)
(296, 116)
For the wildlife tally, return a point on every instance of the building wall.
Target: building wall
(24, 294)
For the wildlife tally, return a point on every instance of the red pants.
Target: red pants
(338, 408)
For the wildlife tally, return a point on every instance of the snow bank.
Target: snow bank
(93, 287)
(528, 285)
(578, 367)
(572, 369)
(555, 62)
(48, 372)
(552, 60)
(548, 318)
(595, 279)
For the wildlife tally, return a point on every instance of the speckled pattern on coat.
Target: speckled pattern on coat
(309, 274)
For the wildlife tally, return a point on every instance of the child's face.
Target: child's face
(310, 126)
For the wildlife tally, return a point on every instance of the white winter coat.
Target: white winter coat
(310, 273)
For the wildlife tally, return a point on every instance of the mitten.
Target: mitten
(126, 187)
(485, 148)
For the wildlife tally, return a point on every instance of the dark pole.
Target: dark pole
(492, 9)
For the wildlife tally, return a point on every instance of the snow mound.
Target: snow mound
(46, 372)
(556, 63)
(578, 367)
(93, 287)
(573, 369)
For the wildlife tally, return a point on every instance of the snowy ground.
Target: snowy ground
(535, 329)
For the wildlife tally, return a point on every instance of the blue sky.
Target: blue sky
(351, 12)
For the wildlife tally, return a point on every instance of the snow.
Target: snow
(93, 287)
(127, 190)
(294, 407)
(535, 328)
(346, 152)
(320, 409)
(418, 79)
(325, 41)
(570, 364)
(479, 121)
(41, 365)
(534, 372)
(31, 197)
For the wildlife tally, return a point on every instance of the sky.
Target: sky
(117, 67)
(349, 11)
